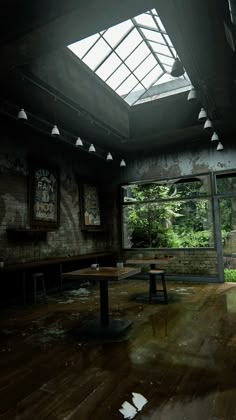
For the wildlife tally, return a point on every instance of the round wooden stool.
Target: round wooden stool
(152, 284)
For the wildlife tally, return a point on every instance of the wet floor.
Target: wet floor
(180, 356)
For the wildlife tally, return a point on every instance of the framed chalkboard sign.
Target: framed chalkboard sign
(44, 196)
(90, 208)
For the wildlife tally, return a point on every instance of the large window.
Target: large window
(168, 214)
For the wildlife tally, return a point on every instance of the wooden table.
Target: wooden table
(104, 275)
(153, 262)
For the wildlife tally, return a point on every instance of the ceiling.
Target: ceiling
(40, 74)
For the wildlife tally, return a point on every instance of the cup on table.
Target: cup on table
(95, 266)
(120, 264)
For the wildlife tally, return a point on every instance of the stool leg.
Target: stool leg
(44, 289)
(164, 287)
(152, 286)
(35, 288)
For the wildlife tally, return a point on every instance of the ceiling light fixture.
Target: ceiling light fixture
(208, 124)
(92, 148)
(220, 147)
(202, 114)
(177, 68)
(214, 137)
(122, 163)
(192, 95)
(109, 156)
(55, 132)
(79, 142)
(22, 115)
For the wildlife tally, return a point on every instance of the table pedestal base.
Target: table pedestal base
(95, 329)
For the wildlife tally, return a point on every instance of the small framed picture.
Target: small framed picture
(44, 188)
(90, 208)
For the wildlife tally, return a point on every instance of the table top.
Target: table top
(148, 260)
(104, 273)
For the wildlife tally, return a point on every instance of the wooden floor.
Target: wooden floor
(181, 357)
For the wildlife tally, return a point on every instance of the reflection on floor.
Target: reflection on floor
(181, 357)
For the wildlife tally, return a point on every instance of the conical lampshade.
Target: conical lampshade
(214, 137)
(122, 163)
(109, 156)
(92, 148)
(208, 124)
(79, 142)
(177, 68)
(220, 147)
(55, 131)
(192, 95)
(202, 114)
(22, 115)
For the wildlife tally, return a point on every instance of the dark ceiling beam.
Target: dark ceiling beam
(197, 30)
(35, 30)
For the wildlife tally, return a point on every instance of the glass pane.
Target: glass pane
(145, 67)
(137, 56)
(151, 77)
(167, 61)
(81, 47)
(226, 183)
(120, 74)
(228, 236)
(153, 36)
(160, 24)
(173, 224)
(97, 54)
(161, 49)
(116, 33)
(111, 63)
(128, 45)
(127, 86)
(165, 78)
(145, 19)
(168, 40)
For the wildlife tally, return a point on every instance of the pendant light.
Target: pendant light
(214, 137)
(122, 163)
(192, 95)
(109, 157)
(177, 68)
(208, 124)
(92, 148)
(220, 147)
(79, 142)
(202, 114)
(22, 115)
(55, 131)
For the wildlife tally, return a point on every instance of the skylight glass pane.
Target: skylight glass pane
(167, 60)
(116, 33)
(145, 67)
(81, 47)
(161, 49)
(160, 24)
(153, 36)
(97, 54)
(120, 74)
(168, 41)
(111, 63)
(137, 56)
(127, 85)
(129, 43)
(145, 19)
(149, 79)
(165, 78)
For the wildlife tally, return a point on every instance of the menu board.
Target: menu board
(91, 217)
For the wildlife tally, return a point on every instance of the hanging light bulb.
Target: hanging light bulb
(22, 115)
(92, 148)
(192, 94)
(219, 147)
(79, 142)
(214, 137)
(208, 124)
(55, 132)
(109, 156)
(177, 68)
(122, 163)
(202, 114)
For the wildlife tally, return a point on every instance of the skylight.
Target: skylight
(134, 58)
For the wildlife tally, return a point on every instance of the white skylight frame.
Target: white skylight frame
(132, 57)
